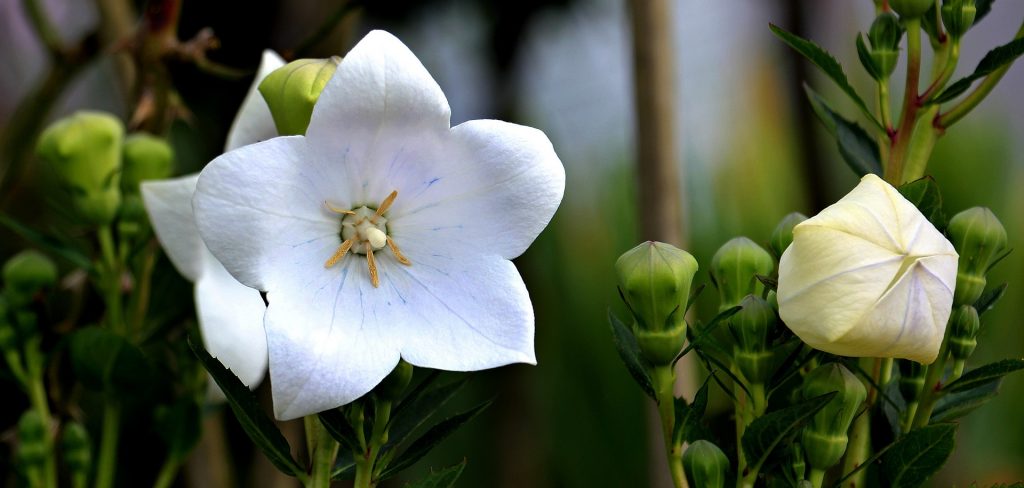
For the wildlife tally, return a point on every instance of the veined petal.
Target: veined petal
(504, 171)
(169, 205)
(253, 122)
(231, 319)
(260, 204)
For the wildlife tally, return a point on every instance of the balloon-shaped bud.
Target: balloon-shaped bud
(146, 157)
(782, 236)
(963, 332)
(750, 328)
(734, 267)
(885, 32)
(979, 237)
(825, 439)
(75, 444)
(85, 151)
(705, 465)
(655, 280)
(31, 439)
(395, 383)
(911, 379)
(958, 16)
(293, 89)
(911, 8)
(25, 274)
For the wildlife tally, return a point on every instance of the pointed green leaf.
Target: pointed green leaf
(701, 335)
(865, 58)
(688, 426)
(105, 361)
(629, 352)
(420, 447)
(247, 410)
(984, 374)
(989, 299)
(983, 7)
(419, 407)
(344, 466)
(822, 59)
(993, 60)
(444, 478)
(338, 427)
(924, 194)
(766, 432)
(956, 405)
(52, 244)
(916, 456)
(856, 146)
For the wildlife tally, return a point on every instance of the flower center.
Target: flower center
(363, 231)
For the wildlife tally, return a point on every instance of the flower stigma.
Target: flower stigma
(363, 231)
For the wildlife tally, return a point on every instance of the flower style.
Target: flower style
(230, 313)
(317, 222)
(869, 276)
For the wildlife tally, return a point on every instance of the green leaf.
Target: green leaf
(988, 299)
(418, 407)
(444, 478)
(984, 374)
(629, 352)
(688, 426)
(924, 194)
(247, 410)
(993, 60)
(55, 246)
(703, 333)
(983, 7)
(764, 433)
(822, 59)
(179, 426)
(916, 456)
(856, 146)
(865, 58)
(420, 447)
(105, 361)
(344, 467)
(956, 405)
(337, 425)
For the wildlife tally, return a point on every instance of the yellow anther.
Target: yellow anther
(386, 204)
(340, 253)
(337, 210)
(373, 266)
(398, 254)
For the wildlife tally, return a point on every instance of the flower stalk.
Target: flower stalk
(894, 169)
(664, 379)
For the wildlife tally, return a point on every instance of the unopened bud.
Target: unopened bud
(978, 236)
(750, 328)
(782, 236)
(958, 16)
(32, 450)
(734, 267)
(395, 383)
(963, 332)
(911, 8)
(26, 274)
(85, 151)
(911, 379)
(293, 89)
(705, 465)
(146, 157)
(825, 439)
(75, 444)
(885, 32)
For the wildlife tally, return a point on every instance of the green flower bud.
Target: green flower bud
(978, 236)
(133, 215)
(85, 150)
(911, 379)
(958, 16)
(146, 157)
(782, 236)
(293, 89)
(705, 465)
(911, 8)
(77, 451)
(654, 279)
(825, 439)
(395, 383)
(885, 32)
(734, 267)
(750, 328)
(31, 428)
(26, 274)
(963, 332)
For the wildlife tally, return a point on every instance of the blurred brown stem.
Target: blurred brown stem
(117, 25)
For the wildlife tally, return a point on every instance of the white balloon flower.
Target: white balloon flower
(383, 232)
(869, 276)
(230, 314)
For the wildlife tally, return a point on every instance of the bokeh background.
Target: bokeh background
(750, 152)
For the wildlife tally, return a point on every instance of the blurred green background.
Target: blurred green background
(750, 153)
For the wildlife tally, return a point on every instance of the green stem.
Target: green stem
(908, 416)
(36, 390)
(816, 477)
(948, 69)
(111, 279)
(859, 445)
(44, 29)
(324, 453)
(984, 88)
(145, 287)
(366, 463)
(883, 104)
(167, 474)
(908, 114)
(107, 463)
(932, 384)
(664, 378)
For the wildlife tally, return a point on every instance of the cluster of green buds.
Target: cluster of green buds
(884, 39)
(958, 16)
(85, 151)
(77, 452)
(705, 465)
(145, 157)
(25, 275)
(735, 267)
(292, 90)
(824, 439)
(33, 448)
(654, 279)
